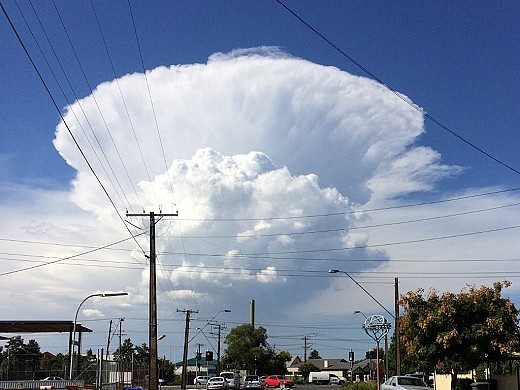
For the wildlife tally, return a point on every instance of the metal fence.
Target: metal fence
(42, 385)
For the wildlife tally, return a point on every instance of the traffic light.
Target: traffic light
(209, 355)
(370, 354)
(350, 356)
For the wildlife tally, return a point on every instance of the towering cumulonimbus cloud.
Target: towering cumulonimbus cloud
(351, 132)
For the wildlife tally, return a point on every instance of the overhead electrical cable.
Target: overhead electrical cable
(400, 96)
(170, 266)
(151, 98)
(271, 253)
(348, 228)
(64, 122)
(93, 95)
(73, 111)
(368, 210)
(124, 103)
(147, 85)
(156, 122)
(68, 257)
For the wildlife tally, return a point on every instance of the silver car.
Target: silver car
(253, 382)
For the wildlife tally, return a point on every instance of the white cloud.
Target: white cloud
(249, 136)
(89, 313)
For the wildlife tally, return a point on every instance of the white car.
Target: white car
(201, 380)
(404, 383)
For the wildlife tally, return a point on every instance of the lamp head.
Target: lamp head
(334, 271)
(117, 294)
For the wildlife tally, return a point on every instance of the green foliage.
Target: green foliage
(247, 349)
(314, 355)
(456, 332)
(463, 384)
(19, 357)
(361, 386)
(140, 353)
(306, 368)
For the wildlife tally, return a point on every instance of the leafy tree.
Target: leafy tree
(306, 368)
(314, 355)
(125, 352)
(457, 332)
(142, 354)
(247, 348)
(18, 358)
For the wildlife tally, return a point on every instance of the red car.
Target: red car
(278, 381)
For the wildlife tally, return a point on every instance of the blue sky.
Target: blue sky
(458, 61)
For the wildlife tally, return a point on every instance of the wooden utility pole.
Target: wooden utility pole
(219, 327)
(184, 380)
(305, 349)
(397, 336)
(153, 377)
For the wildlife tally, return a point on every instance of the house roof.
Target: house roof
(326, 364)
(295, 361)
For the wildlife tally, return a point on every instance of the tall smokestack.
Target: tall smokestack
(252, 312)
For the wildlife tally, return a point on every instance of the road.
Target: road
(299, 387)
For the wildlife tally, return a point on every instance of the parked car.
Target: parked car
(262, 380)
(404, 383)
(232, 378)
(278, 381)
(217, 383)
(252, 382)
(201, 380)
(53, 378)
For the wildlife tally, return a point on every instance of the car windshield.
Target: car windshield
(411, 381)
(228, 375)
(250, 378)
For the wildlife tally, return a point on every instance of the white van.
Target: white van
(232, 378)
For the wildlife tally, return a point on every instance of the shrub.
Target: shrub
(361, 386)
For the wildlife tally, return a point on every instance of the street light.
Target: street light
(336, 271)
(102, 295)
(360, 312)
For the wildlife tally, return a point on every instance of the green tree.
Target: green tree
(125, 352)
(247, 348)
(142, 354)
(32, 356)
(314, 355)
(457, 332)
(306, 368)
(129, 352)
(19, 358)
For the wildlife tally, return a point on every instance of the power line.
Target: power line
(67, 258)
(400, 96)
(93, 95)
(64, 122)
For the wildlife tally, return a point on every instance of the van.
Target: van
(232, 378)
(319, 378)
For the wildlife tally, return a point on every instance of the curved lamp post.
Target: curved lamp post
(102, 295)
(337, 271)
